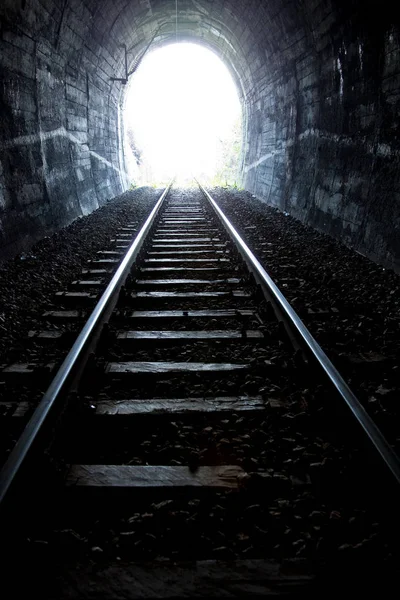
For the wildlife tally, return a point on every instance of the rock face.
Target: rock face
(319, 82)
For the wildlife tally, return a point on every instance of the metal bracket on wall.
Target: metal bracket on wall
(123, 80)
(138, 60)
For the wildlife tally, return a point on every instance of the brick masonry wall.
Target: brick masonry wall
(324, 126)
(319, 81)
(59, 136)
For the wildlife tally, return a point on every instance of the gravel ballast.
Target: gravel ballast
(317, 503)
(314, 271)
(30, 280)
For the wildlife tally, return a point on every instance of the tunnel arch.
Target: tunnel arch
(320, 88)
(190, 67)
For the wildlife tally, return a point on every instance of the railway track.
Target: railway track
(194, 419)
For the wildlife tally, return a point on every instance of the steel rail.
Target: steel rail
(374, 434)
(62, 377)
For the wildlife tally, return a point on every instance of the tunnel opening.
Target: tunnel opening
(318, 83)
(182, 117)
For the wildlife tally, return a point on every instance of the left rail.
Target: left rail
(75, 357)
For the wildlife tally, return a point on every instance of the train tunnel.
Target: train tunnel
(318, 80)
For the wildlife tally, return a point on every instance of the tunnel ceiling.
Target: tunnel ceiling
(320, 88)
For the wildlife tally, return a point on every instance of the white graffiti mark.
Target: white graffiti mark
(381, 150)
(43, 136)
(262, 160)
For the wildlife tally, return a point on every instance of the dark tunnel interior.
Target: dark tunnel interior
(199, 390)
(319, 83)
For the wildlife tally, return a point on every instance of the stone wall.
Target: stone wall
(324, 129)
(319, 82)
(59, 135)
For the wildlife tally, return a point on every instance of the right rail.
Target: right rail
(369, 427)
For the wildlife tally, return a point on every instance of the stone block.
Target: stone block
(76, 123)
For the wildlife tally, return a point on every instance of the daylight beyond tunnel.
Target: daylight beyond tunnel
(318, 83)
(182, 117)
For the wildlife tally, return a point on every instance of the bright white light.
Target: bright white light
(181, 103)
